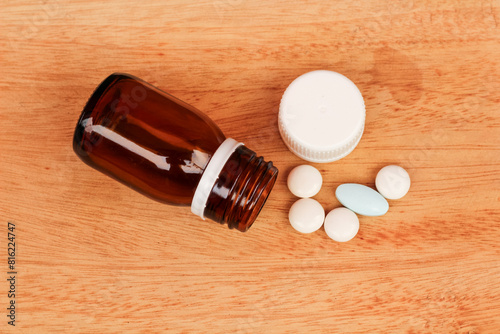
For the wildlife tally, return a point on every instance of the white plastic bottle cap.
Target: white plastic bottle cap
(306, 215)
(304, 181)
(321, 116)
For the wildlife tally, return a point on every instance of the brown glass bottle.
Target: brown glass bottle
(171, 152)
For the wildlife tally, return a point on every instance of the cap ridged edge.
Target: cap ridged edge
(317, 155)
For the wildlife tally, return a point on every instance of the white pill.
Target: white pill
(304, 181)
(393, 182)
(306, 215)
(341, 224)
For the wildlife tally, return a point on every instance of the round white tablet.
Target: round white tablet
(306, 215)
(304, 181)
(393, 182)
(341, 224)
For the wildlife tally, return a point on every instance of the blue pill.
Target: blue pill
(362, 199)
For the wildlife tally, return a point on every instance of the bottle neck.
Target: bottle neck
(239, 189)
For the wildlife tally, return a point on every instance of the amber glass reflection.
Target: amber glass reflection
(146, 139)
(160, 146)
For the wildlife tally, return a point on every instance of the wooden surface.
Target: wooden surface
(93, 256)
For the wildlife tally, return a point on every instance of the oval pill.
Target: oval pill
(361, 199)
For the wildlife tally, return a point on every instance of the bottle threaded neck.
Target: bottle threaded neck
(241, 189)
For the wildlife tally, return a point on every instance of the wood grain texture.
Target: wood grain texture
(95, 257)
